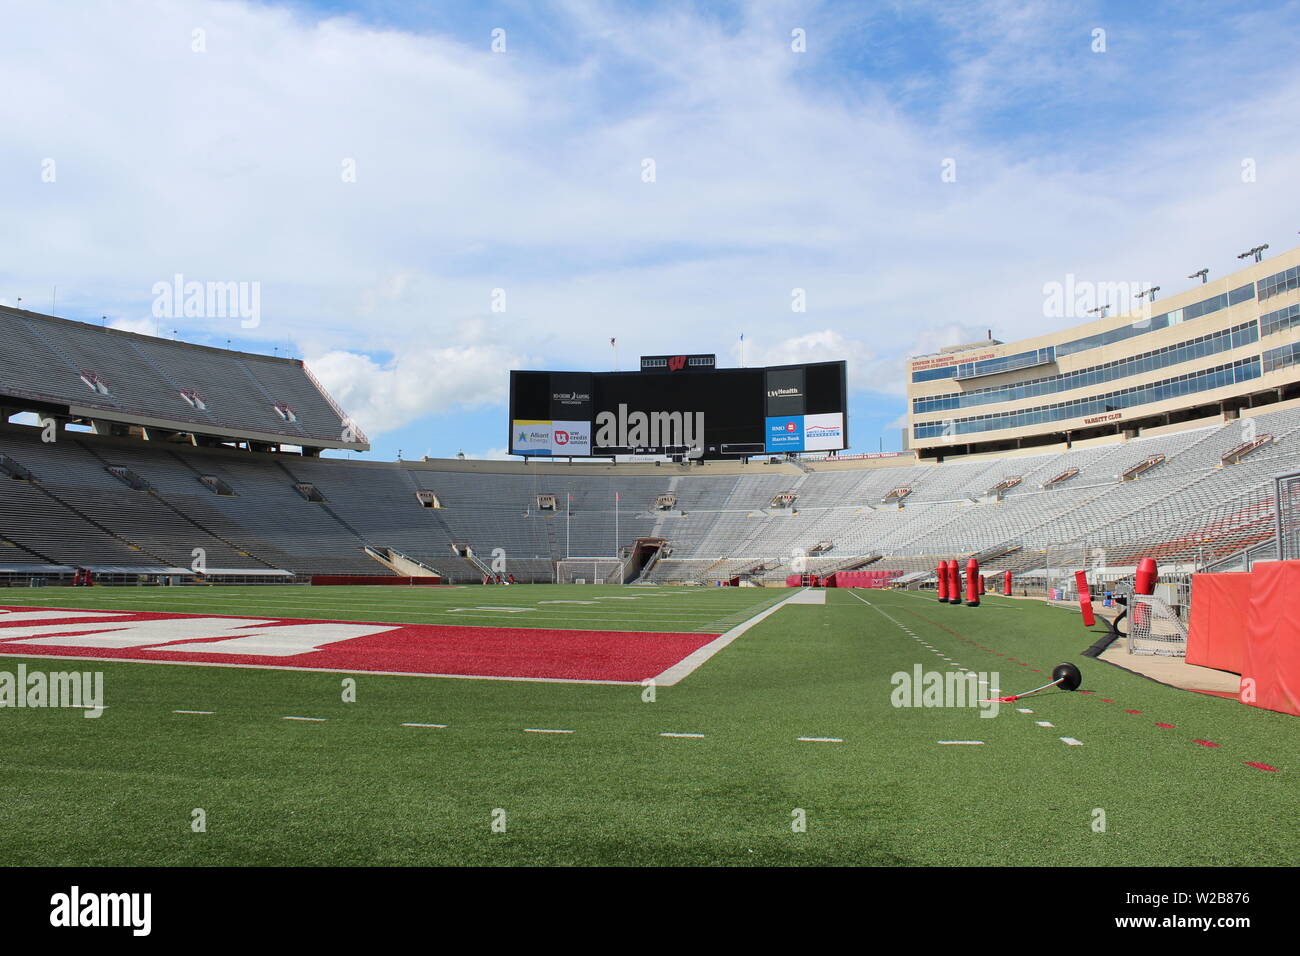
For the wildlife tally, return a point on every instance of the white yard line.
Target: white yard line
(696, 659)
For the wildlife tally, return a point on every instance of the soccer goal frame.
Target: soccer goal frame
(1154, 628)
(589, 571)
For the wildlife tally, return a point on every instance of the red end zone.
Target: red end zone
(352, 646)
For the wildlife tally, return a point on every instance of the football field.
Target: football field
(615, 725)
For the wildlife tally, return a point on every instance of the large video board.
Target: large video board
(709, 413)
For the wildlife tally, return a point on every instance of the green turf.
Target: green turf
(361, 789)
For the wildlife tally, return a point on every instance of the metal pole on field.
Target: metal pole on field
(568, 514)
(617, 496)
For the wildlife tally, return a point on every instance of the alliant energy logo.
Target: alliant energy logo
(945, 689)
(82, 690)
(75, 908)
(626, 429)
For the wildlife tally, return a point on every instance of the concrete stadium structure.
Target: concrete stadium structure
(1209, 351)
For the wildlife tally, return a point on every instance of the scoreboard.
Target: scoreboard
(680, 405)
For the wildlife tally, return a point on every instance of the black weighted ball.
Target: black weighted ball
(1068, 675)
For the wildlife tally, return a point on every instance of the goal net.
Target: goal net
(589, 571)
(1154, 628)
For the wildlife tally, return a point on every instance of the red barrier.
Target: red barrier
(862, 579)
(793, 580)
(1145, 580)
(1273, 641)
(1250, 624)
(1085, 598)
(983, 585)
(941, 573)
(388, 579)
(1006, 583)
(972, 583)
(954, 583)
(1217, 626)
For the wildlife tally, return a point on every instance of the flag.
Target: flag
(617, 496)
(612, 343)
(742, 336)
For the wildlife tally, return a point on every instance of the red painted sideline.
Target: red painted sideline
(395, 648)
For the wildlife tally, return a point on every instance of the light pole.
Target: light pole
(1257, 252)
(1203, 273)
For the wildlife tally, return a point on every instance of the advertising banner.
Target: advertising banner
(531, 437)
(785, 433)
(823, 432)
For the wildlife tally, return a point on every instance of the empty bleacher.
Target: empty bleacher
(67, 509)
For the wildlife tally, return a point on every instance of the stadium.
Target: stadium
(716, 649)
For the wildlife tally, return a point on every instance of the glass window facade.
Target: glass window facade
(1006, 363)
(1283, 357)
(1142, 326)
(1201, 381)
(1221, 341)
(1279, 283)
(1279, 321)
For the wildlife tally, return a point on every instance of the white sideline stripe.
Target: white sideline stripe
(193, 711)
(504, 610)
(1071, 742)
(313, 719)
(544, 730)
(439, 726)
(960, 743)
(694, 660)
(821, 740)
(809, 597)
(693, 736)
(342, 670)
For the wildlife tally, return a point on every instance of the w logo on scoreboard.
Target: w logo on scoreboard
(676, 363)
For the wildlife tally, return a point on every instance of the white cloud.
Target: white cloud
(477, 171)
(140, 326)
(419, 381)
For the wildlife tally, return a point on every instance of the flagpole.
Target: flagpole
(616, 497)
(568, 523)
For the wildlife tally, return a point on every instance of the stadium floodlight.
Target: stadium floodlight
(1149, 292)
(1257, 252)
(1203, 273)
(1101, 308)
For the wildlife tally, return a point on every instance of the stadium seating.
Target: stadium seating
(75, 512)
(45, 358)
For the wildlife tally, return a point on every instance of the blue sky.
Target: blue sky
(210, 139)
